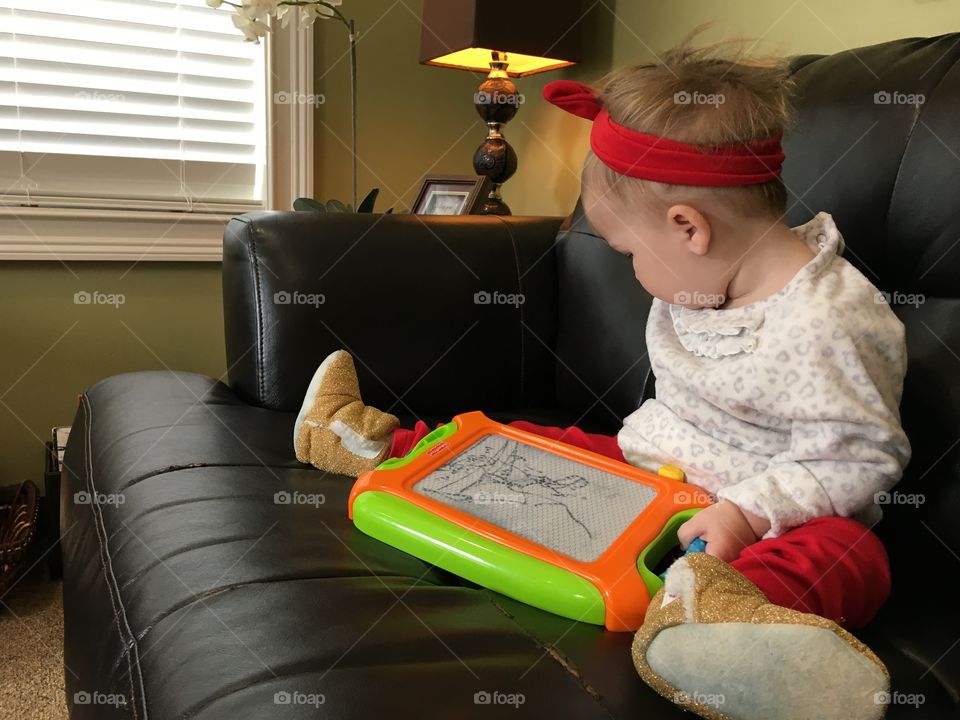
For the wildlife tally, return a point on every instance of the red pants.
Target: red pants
(831, 566)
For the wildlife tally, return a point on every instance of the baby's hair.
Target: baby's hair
(703, 96)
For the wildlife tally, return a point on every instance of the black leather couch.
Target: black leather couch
(201, 597)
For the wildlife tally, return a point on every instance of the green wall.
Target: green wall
(413, 120)
(53, 349)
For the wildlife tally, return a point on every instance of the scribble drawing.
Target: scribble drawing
(568, 507)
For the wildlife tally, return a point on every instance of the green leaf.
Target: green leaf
(306, 204)
(336, 206)
(366, 205)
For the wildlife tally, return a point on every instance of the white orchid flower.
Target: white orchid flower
(251, 16)
(308, 13)
(252, 28)
(258, 9)
(284, 14)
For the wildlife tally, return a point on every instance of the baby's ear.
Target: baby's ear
(693, 227)
(680, 583)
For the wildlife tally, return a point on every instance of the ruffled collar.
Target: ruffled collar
(713, 333)
(717, 332)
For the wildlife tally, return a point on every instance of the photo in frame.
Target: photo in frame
(451, 195)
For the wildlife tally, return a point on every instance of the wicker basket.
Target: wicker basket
(19, 508)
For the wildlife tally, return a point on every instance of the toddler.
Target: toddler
(779, 373)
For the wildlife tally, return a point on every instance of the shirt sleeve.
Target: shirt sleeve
(841, 391)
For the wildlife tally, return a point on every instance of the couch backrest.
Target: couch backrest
(401, 293)
(877, 145)
(602, 360)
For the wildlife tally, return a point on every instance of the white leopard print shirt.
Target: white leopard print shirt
(788, 406)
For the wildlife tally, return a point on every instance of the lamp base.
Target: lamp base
(494, 206)
(496, 101)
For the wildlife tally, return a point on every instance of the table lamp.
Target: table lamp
(504, 39)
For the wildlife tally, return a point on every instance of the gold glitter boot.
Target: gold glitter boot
(335, 431)
(713, 644)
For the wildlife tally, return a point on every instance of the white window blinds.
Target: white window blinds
(138, 104)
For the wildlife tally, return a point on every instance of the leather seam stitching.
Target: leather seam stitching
(254, 229)
(522, 325)
(101, 531)
(907, 141)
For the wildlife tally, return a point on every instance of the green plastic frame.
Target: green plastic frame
(439, 542)
(426, 441)
(661, 545)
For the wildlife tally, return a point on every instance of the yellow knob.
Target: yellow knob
(672, 472)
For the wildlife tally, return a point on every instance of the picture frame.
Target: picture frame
(451, 195)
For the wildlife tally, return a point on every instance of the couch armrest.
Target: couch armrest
(399, 292)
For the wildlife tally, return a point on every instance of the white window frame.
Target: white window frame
(66, 234)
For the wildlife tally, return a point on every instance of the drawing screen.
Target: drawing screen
(574, 509)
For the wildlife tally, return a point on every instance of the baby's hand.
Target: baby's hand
(725, 528)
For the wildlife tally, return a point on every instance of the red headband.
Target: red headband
(660, 159)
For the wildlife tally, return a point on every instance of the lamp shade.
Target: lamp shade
(536, 36)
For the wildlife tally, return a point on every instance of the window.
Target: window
(114, 103)
(148, 112)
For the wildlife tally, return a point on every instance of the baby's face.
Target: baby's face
(660, 252)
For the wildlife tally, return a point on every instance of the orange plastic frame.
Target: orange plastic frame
(614, 573)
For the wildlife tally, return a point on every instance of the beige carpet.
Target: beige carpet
(31, 652)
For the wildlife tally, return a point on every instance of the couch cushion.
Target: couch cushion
(203, 595)
(192, 590)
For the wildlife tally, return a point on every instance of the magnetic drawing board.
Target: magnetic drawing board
(552, 525)
(575, 509)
